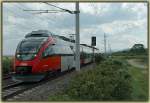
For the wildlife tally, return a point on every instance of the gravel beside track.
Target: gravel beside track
(42, 92)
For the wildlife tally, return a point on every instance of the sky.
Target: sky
(124, 24)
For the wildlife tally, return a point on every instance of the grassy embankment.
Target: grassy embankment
(109, 81)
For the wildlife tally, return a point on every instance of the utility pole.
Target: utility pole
(109, 46)
(105, 43)
(77, 54)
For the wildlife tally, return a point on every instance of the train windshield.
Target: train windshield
(29, 47)
(27, 50)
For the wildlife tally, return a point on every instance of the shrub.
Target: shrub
(99, 58)
(7, 65)
(108, 81)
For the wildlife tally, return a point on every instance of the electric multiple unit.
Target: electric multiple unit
(41, 52)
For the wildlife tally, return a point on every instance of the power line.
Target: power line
(66, 10)
(31, 14)
(54, 6)
(23, 7)
(45, 11)
(17, 14)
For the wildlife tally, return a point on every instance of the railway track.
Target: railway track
(12, 90)
(8, 83)
(14, 84)
(6, 76)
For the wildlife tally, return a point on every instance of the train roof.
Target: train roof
(42, 39)
(64, 38)
(39, 33)
(43, 34)
(73, 41)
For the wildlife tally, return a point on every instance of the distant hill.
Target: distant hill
(137, 49)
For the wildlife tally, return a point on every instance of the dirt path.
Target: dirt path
(137, 63)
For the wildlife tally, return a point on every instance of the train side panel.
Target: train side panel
(67, 62)
(50, 63)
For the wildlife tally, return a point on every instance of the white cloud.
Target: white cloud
(139, 8)
(123, 26)
(124, 23)
(94, 8)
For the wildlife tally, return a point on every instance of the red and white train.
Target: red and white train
(42, 52)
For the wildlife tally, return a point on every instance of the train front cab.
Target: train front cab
(28, 58)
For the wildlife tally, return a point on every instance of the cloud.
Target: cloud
(124, 23)
(124, 26)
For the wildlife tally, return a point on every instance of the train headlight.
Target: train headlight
(18, 55)
(35, 55)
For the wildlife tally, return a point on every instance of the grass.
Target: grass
(139, 83)
(140, 79)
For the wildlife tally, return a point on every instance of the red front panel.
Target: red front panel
(51, 63)
(39, 64)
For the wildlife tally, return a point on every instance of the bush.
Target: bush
(108, 81)
(99, 58)
(7, 65)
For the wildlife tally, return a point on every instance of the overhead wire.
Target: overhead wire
(54, 6)
(21, 7)
(58, 8)
(67, 10)
(52, 21)
(41, 18)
